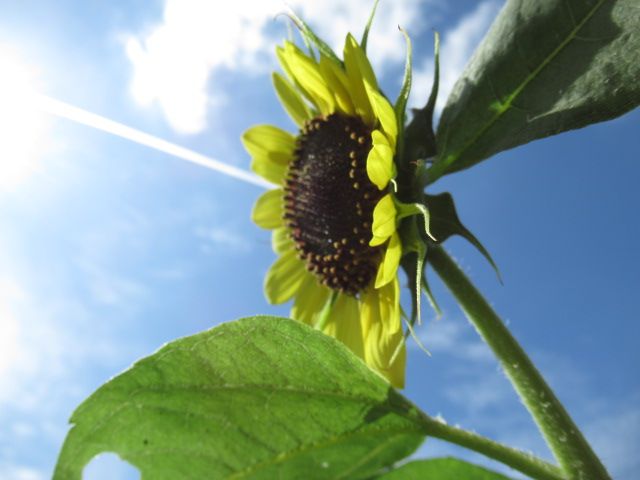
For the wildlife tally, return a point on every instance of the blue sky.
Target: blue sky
(108, 249)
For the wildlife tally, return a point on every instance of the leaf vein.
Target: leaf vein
(440, 167)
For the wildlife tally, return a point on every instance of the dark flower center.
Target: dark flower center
(329, 202)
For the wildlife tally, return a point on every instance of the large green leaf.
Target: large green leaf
(546, 66)
(441, 469)
(261, 397)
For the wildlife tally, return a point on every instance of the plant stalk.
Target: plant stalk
(571, 449)
(523, 462)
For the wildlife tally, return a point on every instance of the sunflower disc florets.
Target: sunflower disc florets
(329, 202)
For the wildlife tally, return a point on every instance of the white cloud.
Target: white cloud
(27, 348)
(98, 251)
(453, 336)
(478, 384)
(108, 288)
(174, 61)
(456, 48)
(334, 18)
(47, 343)
(215, 238)
(480, 391)
(10, 332)
(17, 472)
(39, 347)
(615, 435)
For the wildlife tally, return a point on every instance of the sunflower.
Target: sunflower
(333, 213)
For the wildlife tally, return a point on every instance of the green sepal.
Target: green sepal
(414, 248)
(365, 34)
(410, 209)
(405, 90)
(445, 223)
(309, 44)
(414, 251)
(325, 313)
(410, 331)
(426, 288)
(420, 139)
(310, 36)
(400, 106)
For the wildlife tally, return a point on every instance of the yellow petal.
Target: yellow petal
(389, 298)
(337, 80)
(384, 340)
(344, 324)
(395, 370)
(291, 100)
(272, 143)
(309, 301)
(281, 240)
(389, 266)
(283, 59)
(267, 211)
(269, 170)
(359, 71)
(384, 112)
(284, 278)
(380, 167)
(384, 220)
(307, 73)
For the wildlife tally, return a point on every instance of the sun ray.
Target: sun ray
(24, 133)
(84, 117)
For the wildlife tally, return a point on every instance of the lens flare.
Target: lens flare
(23, 127)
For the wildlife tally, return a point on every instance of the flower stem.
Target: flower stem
(565, 440)
(524, 462)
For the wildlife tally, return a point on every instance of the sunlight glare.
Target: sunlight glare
(22, 126)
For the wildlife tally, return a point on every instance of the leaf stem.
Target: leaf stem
(524, 462)
(565, 440)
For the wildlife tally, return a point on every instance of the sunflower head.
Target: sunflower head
(333, 212)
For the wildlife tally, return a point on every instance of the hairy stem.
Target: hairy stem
(524, 462)
(573, 452)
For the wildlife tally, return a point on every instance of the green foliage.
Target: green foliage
(441, 469)
(400, 106)
(545, 67)
(262, 397)
(267, 397)
(445, 223)
(367, 28)
(420, 137)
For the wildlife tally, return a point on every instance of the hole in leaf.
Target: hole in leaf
(109, 466)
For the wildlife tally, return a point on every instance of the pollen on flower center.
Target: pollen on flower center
(329, 202)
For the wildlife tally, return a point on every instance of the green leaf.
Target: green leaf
(420, 139)
(365, 34)
(545, 67)
(262, 397)
(441, 469)
(401, 102)
(445, 223)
